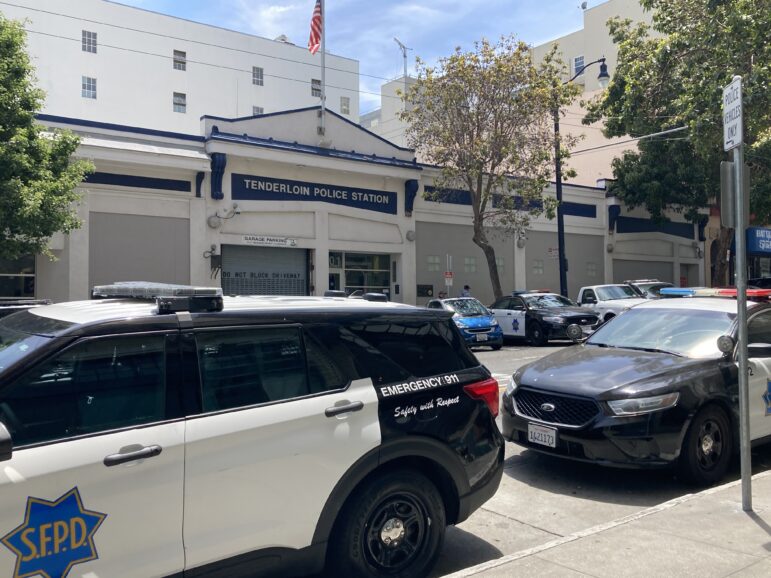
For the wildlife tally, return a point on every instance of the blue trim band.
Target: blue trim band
(309, 149)
(637, 225)
(579, 210)
(118, 127)
(138, 182)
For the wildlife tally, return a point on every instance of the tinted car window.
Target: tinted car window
(94, 386)
(248, 367)
(759, 328)
(323, 373)
(421, 348)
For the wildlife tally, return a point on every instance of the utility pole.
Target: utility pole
(404, 50)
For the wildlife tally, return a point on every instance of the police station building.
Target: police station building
(261, 205)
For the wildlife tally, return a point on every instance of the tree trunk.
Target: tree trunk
(480, 239)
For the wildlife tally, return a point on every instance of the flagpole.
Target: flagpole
(323, 71)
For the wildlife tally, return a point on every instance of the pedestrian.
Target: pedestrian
(466, 291)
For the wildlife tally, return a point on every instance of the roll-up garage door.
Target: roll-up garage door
(264, 271)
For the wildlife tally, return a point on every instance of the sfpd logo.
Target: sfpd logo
(54, 536)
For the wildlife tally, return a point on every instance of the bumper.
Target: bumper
(646, 441)
(492, 337)
(483, 491)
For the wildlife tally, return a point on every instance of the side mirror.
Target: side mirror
(6, 443)
(726, 343)
(590, 300)
(759, 350)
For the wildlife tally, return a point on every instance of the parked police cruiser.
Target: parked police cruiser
(176, 432)
(656, 386)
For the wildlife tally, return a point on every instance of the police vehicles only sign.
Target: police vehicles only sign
(732, 114)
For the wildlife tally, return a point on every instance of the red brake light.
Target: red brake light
(487, 391)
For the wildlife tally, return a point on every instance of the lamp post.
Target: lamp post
(603, 79)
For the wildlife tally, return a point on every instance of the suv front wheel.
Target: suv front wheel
(393, 526)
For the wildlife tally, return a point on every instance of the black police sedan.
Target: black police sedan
(541, 316)
(649, 388)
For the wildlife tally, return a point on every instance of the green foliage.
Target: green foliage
(673, 76)
(37, 176)
(484, 118)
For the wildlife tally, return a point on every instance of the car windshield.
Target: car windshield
(613, 292)
(547, 301)
(466, 307)
(15, 344)
(686, 332)
(653, 288)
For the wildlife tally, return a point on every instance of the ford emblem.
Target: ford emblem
(547, 407)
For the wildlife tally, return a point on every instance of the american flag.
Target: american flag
(315, 38)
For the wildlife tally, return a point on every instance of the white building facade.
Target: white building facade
(102, 61)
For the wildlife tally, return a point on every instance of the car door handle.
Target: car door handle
(348, 407)
(140, 454)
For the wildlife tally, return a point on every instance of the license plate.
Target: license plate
(481, 336)
(544, 436)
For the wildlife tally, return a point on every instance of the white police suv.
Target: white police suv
(166, 431)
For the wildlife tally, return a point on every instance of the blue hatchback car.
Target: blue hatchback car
(475, 321)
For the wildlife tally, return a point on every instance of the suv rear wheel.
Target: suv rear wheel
(393, 526)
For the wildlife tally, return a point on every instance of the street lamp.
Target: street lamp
(603, 79)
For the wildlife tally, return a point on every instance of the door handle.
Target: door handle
(140, 454)
(348, 407)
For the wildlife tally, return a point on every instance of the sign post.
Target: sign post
(448, 274)
(733, 140)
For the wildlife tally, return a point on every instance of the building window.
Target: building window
(180, 102)
(578, 65)
(180, 60)
(315, 87)
(257, 75)
(499, 264)
(256, 110)
(433, 263)
(591, 269)
(88, 41)
(537, 266)
(87, 87)
(345, 105)
(470, 264)
(17, 277)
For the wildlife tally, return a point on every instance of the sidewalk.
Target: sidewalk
(704, 534)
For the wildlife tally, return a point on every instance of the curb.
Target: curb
(502, 561)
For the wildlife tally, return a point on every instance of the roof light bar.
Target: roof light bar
(169, 297)
(713, 292)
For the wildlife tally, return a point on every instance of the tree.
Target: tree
(485, 119)
(673, 77)
(37, 175)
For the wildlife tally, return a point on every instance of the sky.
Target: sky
(365, 29)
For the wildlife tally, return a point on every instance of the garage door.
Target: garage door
(264, 271)
(625, 269)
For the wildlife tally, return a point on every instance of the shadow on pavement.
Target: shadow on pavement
(463, 550)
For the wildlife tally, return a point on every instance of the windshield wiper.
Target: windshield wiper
(603, 345)
(655, 350)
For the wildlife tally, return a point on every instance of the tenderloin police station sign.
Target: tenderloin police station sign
(254, 188)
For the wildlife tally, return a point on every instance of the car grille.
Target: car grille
(479, 329)
(568, 411)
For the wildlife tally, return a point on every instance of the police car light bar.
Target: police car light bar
(759, 294)
(169, 297)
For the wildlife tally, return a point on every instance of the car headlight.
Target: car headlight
(493, 323)
(554, 319)
(640, 405)
(460, 324)
(513, 384)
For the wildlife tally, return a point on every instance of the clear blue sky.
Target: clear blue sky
(364, 29)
